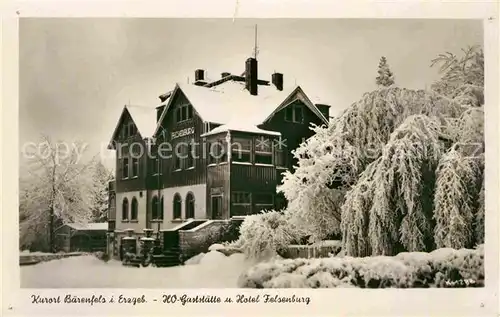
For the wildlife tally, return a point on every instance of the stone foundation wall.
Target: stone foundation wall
(199, 239)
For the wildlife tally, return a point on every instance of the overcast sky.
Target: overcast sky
(76, 74)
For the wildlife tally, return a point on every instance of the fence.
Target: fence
(320, 250)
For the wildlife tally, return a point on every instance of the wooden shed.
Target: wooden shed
(89, 237)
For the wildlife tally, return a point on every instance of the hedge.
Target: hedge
(441, 268)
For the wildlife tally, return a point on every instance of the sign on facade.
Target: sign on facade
(216, 191)
(181, 133)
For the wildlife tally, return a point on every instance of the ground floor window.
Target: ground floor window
(157, 208)
(189, 205)
(134, 212)
(216, 206)
(241, 198)
(264, 201)
(125, 209)
(177, 206)
(241, 203)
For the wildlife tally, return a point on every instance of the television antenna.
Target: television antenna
(255, 48)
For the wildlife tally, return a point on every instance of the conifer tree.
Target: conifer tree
(399, 170)
(385, 77)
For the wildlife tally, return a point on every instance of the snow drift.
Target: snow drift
(440, 268)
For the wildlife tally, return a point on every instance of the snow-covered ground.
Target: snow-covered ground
(214, 270)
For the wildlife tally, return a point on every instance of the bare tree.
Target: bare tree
(57, 189)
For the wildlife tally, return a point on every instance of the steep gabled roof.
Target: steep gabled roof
(229, 103)
(304, 98)
(143, 117)
(240, 126)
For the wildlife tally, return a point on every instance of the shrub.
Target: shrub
(103, 256)
(264, 234)
(440, 268)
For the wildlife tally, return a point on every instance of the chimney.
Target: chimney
(324, 109)
(251, 76)
(225, 74)
(277, 80)
(199, 74)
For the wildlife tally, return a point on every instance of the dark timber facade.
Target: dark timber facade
(212, 149)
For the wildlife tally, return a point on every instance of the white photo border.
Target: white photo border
(341, 302)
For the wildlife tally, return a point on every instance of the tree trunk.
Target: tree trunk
(51, 230)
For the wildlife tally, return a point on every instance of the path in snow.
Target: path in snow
(215, 270)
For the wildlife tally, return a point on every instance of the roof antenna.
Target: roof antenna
(188, 79)
(255, 48)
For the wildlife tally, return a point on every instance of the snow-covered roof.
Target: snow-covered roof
(231, 105)
(89, 226)
(144, 118)
(240, 126)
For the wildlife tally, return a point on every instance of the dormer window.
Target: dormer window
(294, 113)
(129, 130)
(183, 113)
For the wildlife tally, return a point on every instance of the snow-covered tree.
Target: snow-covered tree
(399, 170)
(331, 161)
(58, 188)
(102, 176)
(462, 76)
(266, 233)
(391, 154)
(479, 229)
(385, 76)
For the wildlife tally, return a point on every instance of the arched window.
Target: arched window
(112, 208)
(160, 216)
(154, 208)
(189, 205)
(125, 209)
(134, 212)
(177, 206)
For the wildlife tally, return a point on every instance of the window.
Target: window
(155, 208)
(280, 158)
(112, 208)
(294, 113)
(177, 204)
(155, 165)
(183, 113)
(241, 198)
(135, 167)
(218, 153)
(125, 209)
(134, 210)
(189, 205)
(263, 200)
(131, 129)
(125, 167)
(241, 150)
(177, 161)
(263, 151)
(124, 132)
(190, 155)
